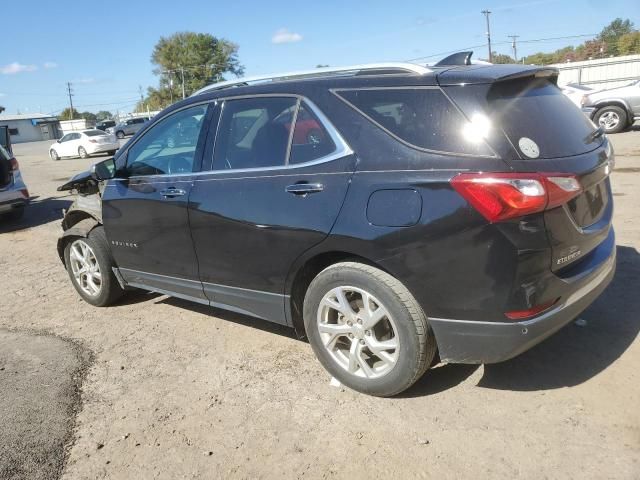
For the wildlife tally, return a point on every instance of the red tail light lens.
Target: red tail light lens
(500, 196)
(14, 164)
(531, 312)
(93, 141)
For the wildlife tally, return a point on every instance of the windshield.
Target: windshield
(93, 133)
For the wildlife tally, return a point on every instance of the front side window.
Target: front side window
(422, 117)
(253, 133)
(169, 146)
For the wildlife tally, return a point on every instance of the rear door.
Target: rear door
(145, 208)
(273, 191)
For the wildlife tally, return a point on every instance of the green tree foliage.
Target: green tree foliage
(103, 115)
(629, 43)
(2, 109)
(612, 33)
(502, 58)
(66, 114)
(89, 116)
(198, 59)
(617, 38)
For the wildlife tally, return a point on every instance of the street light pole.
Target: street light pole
(486, 14)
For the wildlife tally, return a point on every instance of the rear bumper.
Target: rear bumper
(102, 147)
(461, 341)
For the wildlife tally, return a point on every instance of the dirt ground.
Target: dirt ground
(183, 391)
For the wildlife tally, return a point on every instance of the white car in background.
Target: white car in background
(84, 143)
(575, 92)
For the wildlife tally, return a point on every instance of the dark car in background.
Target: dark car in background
(393, 214)
(105, 124)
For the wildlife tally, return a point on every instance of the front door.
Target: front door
(145, 209)
(271, 195)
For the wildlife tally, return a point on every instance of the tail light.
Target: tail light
(25, 193)
(14, 164)
(583, 100)
(93, 141)
(501, 196)
(531, 312)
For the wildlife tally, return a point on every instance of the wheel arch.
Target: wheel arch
(76, 223)
(304, 272)
(614, 102)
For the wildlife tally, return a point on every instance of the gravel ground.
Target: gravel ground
(184, 391)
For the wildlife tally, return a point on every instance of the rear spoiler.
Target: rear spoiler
(478, 74)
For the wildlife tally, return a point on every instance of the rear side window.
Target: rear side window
(311, 140)
(537, 113)
(254, 133)
(421, 117)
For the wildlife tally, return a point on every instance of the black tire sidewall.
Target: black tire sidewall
(621, 113)
(120, 135)
(82, 152)
(54, 155)
(402, 375)
(110, 290)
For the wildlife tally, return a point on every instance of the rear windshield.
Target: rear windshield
(422, 117)
(539, 120)
(93, 133)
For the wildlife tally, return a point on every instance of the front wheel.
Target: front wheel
(367, 330)
(612, 119)
(82, 152)
(90, 266)
(54, 155)
(120, 134)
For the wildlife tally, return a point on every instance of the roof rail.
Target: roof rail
(365, 69)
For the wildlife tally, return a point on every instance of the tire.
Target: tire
(612, 119)
(54, 155)
(82, 152)
(109, 290)
(396, 369)
(120, 134)
(111, 153)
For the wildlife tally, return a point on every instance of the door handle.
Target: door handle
(172, 192)
(304, 188)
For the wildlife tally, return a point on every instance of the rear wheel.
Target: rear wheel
(90, 268)
(54, 155)
(111, 153)
(120, 134)
(367, 330)
(612, 119)
(82, 152)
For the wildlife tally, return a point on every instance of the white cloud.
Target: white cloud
(49, 65)
(285, 36)
(16, 67)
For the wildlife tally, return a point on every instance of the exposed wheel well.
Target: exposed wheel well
(74, 217)
(613, 103)
(307, 273)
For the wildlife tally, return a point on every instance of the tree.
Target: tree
(612, 33)
(66, 114)
(502, 58)
(629, 43)
(103, 115)
(2, 109)
(88, 116)
(197, 59)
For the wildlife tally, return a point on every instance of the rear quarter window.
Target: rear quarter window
(421, 117)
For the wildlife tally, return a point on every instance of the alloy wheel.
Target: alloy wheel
(358, 332)
(609, 120)
(85, 268)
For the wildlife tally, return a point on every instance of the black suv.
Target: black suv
(392, 214)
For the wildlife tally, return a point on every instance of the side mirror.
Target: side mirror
(104, 170)
(58, 141)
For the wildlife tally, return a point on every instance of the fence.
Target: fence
(601, 73)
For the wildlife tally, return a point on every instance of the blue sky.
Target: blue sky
(104, 48)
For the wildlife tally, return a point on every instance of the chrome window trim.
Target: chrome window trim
(404, 142)
(342, 147)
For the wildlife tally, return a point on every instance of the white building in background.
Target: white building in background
(600, 73)
(31, 127)
(69, 126)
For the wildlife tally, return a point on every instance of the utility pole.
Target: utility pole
(486, 14)
(182, 72)
(70, 92)
(141, 96)
(513, 46)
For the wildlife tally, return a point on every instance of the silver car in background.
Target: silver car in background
(614, 109)
(14, 195)
(128, 127)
